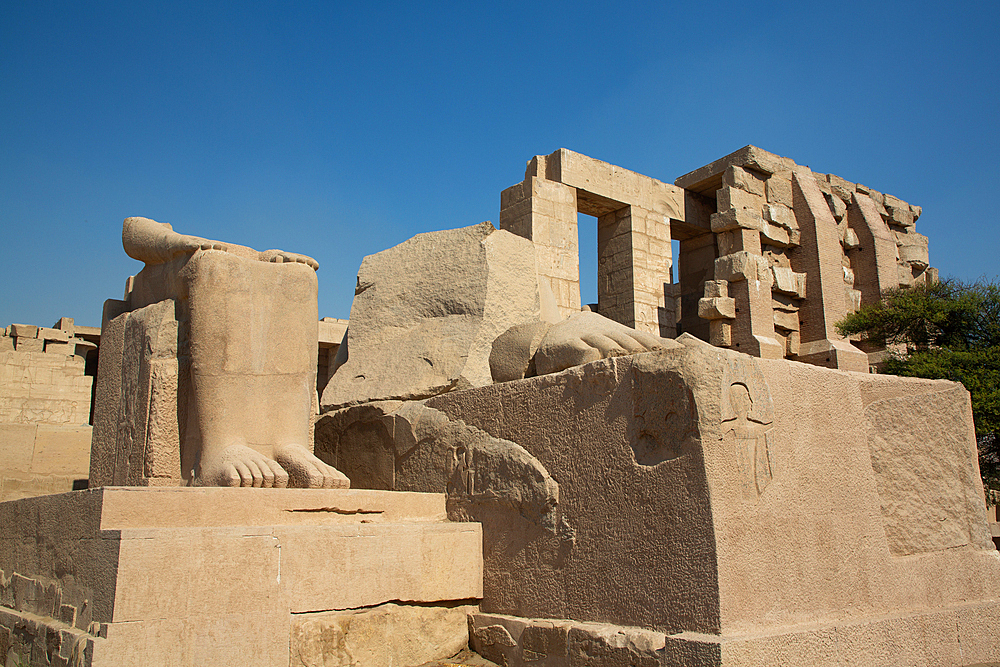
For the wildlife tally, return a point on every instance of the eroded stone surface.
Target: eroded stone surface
(427, 311)
(389, 634)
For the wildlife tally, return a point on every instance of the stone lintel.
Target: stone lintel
(707, 179)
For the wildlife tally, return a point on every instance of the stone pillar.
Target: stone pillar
(738, 225)
(634, 270)
(820, 257)
(544, 212)
(874, 260)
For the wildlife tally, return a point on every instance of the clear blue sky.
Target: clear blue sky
(341, 129)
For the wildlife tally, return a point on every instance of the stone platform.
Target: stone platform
(700, 507)
(199, 576)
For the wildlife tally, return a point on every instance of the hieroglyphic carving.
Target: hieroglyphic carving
(748, 414)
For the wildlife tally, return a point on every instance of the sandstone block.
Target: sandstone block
(739, 239)
(6, 344)
(734, 198)
(740, 178)
(776, 235)
(59, 347)
(388, 634)
(17, 443)
(841, 188)
(29, 344)
(720, 333)
(913, 249)
(716, 288)
(779, 189)
(916, 211)
(736, 219)
(900, 215)
(792, 343)
(62, 450)
(788, 282)
(67, 324)
(742, 266)
(201, 576)
(714, 308)
(837, 206)
(786, 320)
(427, 311)
(781, 215)
(53, 334)
(23, 330)
(851, 240)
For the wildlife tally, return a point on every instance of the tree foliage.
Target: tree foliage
(948, 330)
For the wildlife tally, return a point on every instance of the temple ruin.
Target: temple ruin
(652, 480)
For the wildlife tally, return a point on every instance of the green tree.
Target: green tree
(948, 330)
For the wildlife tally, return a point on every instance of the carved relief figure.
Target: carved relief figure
(747, 416)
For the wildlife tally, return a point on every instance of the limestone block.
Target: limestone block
(740, 178)
(714, 308)
(52, 334)
(742, 266)
(851, 240)
(720, 333)
(716, 288)
(388, 634)
(916, 211)
(841, 188)
(427, 311)
(736, 219)
(25, 344)
(23, 331)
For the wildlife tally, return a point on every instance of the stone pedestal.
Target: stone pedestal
(716, 509)
(214, 576)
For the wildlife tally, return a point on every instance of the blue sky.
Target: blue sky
(339, 129)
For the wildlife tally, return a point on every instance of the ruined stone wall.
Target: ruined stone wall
(796, 251)
(45, 400)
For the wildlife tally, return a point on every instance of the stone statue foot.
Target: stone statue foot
(239, 465)
(307, 471)
(280, 256)
(584, 337)
(184, 243)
